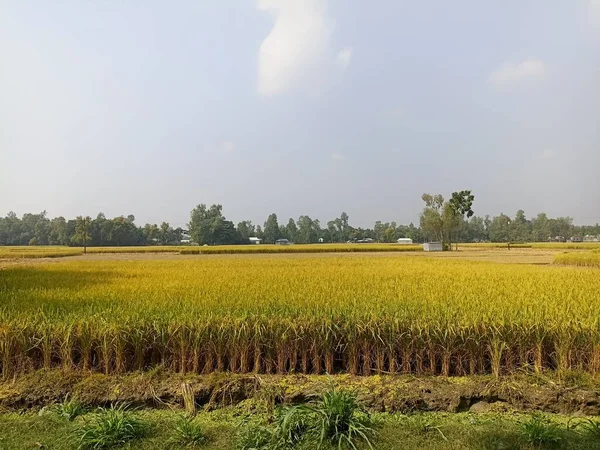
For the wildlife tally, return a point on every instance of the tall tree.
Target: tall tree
(271, 230)
(83, 231)
(459, 207)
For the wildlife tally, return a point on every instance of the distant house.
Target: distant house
(576, 239)
(282, 242)
(365, 241)
(405, 241)
(255, 240)
(320, 240)
(433, 247)
(557, 239)
(591, 238)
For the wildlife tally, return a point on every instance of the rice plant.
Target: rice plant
(357, 313)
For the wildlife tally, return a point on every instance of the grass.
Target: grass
(341, 421)
(69, 409)
(187, 433)
(110, 428)
(539, 431)
(354, 313)
(463, 431)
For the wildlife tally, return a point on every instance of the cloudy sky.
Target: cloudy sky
(299, 107)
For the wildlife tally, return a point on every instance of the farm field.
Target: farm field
(350, 313)
(49, 251)
(25, 252)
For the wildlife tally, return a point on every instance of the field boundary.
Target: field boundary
(578, 393)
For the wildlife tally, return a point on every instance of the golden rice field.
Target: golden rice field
(585, 259)
(18, 252)
(353, 313)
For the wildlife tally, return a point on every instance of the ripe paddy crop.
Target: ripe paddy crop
(358, 313)
(585, 259)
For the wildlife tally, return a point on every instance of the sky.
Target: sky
(299, 107)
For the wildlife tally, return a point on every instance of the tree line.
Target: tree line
(440, 221)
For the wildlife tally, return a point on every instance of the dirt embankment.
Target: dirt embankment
(577, 395)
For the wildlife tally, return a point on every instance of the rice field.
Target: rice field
(584, 259)
(288, 313)
(22, 252)
(32, 252)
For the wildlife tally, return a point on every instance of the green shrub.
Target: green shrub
(187, 434)
(257, 437)
(110, 428)
(341, 421)
(539, 431)
(69, 409)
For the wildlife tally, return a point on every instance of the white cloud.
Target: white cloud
(227, 147)
(298, 43)
(344, 57)
(511, 73)
(337, 156)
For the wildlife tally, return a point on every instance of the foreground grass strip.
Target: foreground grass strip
(110, 428)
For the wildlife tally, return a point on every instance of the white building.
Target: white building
(405, 241)
(255, 240)
(433, 247)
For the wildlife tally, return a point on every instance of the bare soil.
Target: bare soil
(574, 394)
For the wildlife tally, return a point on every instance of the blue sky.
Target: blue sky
(299, 107)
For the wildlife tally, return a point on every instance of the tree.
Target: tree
(459, 206)
(204, 222)
(521, 228)
(245, 231)
(308, 230)
(83, 231)
(271, 230)
(291, 230)
(500, 229)
(432, 217)
(439, 218)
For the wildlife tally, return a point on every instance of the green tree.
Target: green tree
(459, 206)
(271, 230)
(245, 231)
(204, 222)
(521, 228)
(291, 230)
(500, 229)
(83, 231)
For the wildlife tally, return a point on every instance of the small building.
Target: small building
(321, 240)
(433, 247)
(282, 242)
(405, 241)
(255, 240)
(576, 239)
